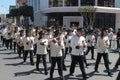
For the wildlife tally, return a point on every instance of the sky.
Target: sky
(4, 5)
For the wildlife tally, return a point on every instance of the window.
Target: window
(35, 5)
(55, 3)
(71, 2)
(107, 3)
(38, 4)
(0, 19)
(87, 2)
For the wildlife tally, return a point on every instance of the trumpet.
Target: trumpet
(20, 43)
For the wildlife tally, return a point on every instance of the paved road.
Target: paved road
(12, 68)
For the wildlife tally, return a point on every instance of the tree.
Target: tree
(88, 13)
(8, 15)
(26, 11)
(14, 12)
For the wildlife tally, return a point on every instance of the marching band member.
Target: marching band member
(90, 38)
(20, 43)
(67, 39)
(102, 50)
(37, 30)
(48, 36)
(3, 35)
(28, 46)
(16, 33)
(56, 55)
(77, 43)
(62, 37)
(41, 51)
(9, 38)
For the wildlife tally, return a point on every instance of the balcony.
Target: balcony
(75, 9)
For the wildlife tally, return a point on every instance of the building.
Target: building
(2, 18)
(12, 7)
(20, 3)
(65, 12)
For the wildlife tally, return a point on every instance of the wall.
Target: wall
(117, 4)
(117, 22)
(68, 19)
(39, 18)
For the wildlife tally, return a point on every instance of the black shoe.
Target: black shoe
(37, 69)
(109, 63)
(71, 74)
(64, 69)
(46, 73)
(62, 78)
(32, 63)
(93, 58)
(87, 65)
(115, 68)
(96, 71)
(51, 78)
(84, 78)
(110, 74)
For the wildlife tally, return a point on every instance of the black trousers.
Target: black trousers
(49, 53)
(118, 77)
(44, 61)
(117, 63)
(31, 56)
(118, 43)
(67, 50)
(4, 41)
(35, 49)
(63, 59)
(110, 43)
(57, 60)
(15, 44)
(9, 43)
(99, 56)
(75, 60)
(1, 38)
(20, 50)
(92, 51)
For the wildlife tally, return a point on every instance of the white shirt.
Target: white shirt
(42, 49)
(55, 50)
(62, 40)
(102, 44)
(15, 35)
(110, 35)
(75, 41)
(68, 40)
(28, 43)
(90, 38)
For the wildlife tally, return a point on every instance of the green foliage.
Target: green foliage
(14, 12)
(87, 9)
(88, 13)
(8, 15)
(26, 10)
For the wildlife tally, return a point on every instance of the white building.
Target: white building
(65, 12)
(2, 18)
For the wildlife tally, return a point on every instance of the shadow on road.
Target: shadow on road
(12, 58)
(34, 71)
(16, 64)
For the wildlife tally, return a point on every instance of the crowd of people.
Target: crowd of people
(57, 43)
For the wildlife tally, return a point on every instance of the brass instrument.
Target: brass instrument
(9, 35)
(21, 44)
